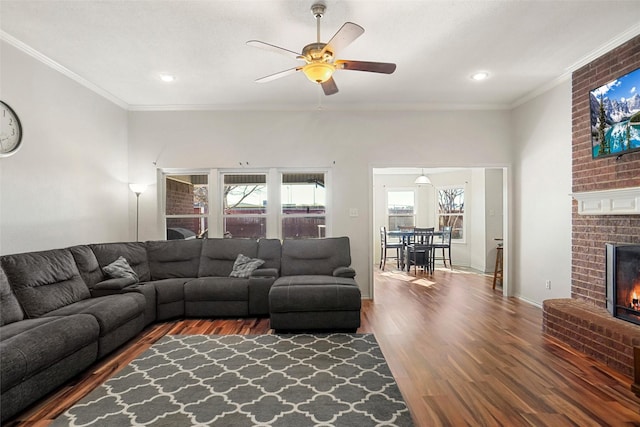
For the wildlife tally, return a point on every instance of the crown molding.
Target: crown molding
(23, 47)
(609, 46)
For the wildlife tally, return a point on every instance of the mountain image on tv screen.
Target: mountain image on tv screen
(615, 116)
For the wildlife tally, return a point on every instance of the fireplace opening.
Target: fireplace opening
(623, 281)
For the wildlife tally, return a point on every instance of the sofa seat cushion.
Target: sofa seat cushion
(32, 345)
(217, 289)
(314, 293)
(169, 290)
(110, 311)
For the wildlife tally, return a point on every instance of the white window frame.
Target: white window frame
(162, 190)
(325, 215)
(268, 209)
(405, 190)
(216, 192)
(464, 214)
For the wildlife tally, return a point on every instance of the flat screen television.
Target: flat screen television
(615, 116)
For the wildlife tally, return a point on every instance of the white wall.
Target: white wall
(542, 184)
(494, 215)
(475, 207)
(68, 182)
(355, 141)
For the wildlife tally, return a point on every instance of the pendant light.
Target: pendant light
(422, 179)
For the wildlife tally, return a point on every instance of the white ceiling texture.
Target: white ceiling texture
(120, 49)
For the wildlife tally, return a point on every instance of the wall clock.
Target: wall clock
(10, 131)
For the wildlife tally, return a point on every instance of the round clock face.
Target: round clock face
(10, 131)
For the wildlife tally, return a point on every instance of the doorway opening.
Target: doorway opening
(479, 211)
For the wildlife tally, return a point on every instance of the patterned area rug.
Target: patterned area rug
(249, 380)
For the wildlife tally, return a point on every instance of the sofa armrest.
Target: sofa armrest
(259, 287)
(111, 286)
(344, 272)
(265, 272)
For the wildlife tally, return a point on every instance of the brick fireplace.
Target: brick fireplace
(583, 321)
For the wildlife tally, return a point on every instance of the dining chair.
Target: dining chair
(385, 245)
(420, 251)
(443, 243)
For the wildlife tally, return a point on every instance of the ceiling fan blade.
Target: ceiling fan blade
(278, 75)
(343, 37)
(273, 48)
(374, 67)
(329, 87)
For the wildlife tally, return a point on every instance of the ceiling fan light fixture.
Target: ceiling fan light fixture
(318, 72)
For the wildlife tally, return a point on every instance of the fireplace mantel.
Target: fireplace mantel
(620, 201)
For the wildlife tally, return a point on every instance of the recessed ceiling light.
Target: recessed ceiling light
(480, 75)
(167, 78)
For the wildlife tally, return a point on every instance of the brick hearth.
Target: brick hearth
(582, 321)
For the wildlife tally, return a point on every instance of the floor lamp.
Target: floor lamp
(138, 189)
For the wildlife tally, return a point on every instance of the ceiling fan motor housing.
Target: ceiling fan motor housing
(313, 52)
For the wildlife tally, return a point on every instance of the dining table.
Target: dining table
(405, 237)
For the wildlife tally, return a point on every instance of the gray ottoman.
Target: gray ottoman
(314, 302)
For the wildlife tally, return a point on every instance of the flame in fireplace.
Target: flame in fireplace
(635, 303)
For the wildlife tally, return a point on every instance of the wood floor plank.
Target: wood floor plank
(462, 354)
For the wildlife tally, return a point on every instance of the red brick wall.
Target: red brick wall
(180, 202)
(590, 232)
(593, 331)
(582, 321)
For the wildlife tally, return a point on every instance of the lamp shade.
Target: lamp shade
(422, 179)
(318, 72)
(138, 188)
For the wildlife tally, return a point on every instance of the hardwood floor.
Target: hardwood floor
(462, 354)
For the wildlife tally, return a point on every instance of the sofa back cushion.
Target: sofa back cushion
(87, 264)
(314, 256)
(270, 250)
(218, 255)
(174, 258)
(134, 252)
(44, 281)
(10, 310)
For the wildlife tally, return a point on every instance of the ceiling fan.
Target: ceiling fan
(320, 57)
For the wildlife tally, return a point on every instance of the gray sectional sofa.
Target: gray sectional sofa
(60, 312)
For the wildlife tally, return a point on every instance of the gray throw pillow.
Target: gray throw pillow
(120, 268)
(244, 266)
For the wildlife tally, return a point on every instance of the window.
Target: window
(244, 205)
(303, 201)
(253, 204)
(401, 209)
(186, 206)
(451, 211)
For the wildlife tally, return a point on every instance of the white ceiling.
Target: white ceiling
(119, 48)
